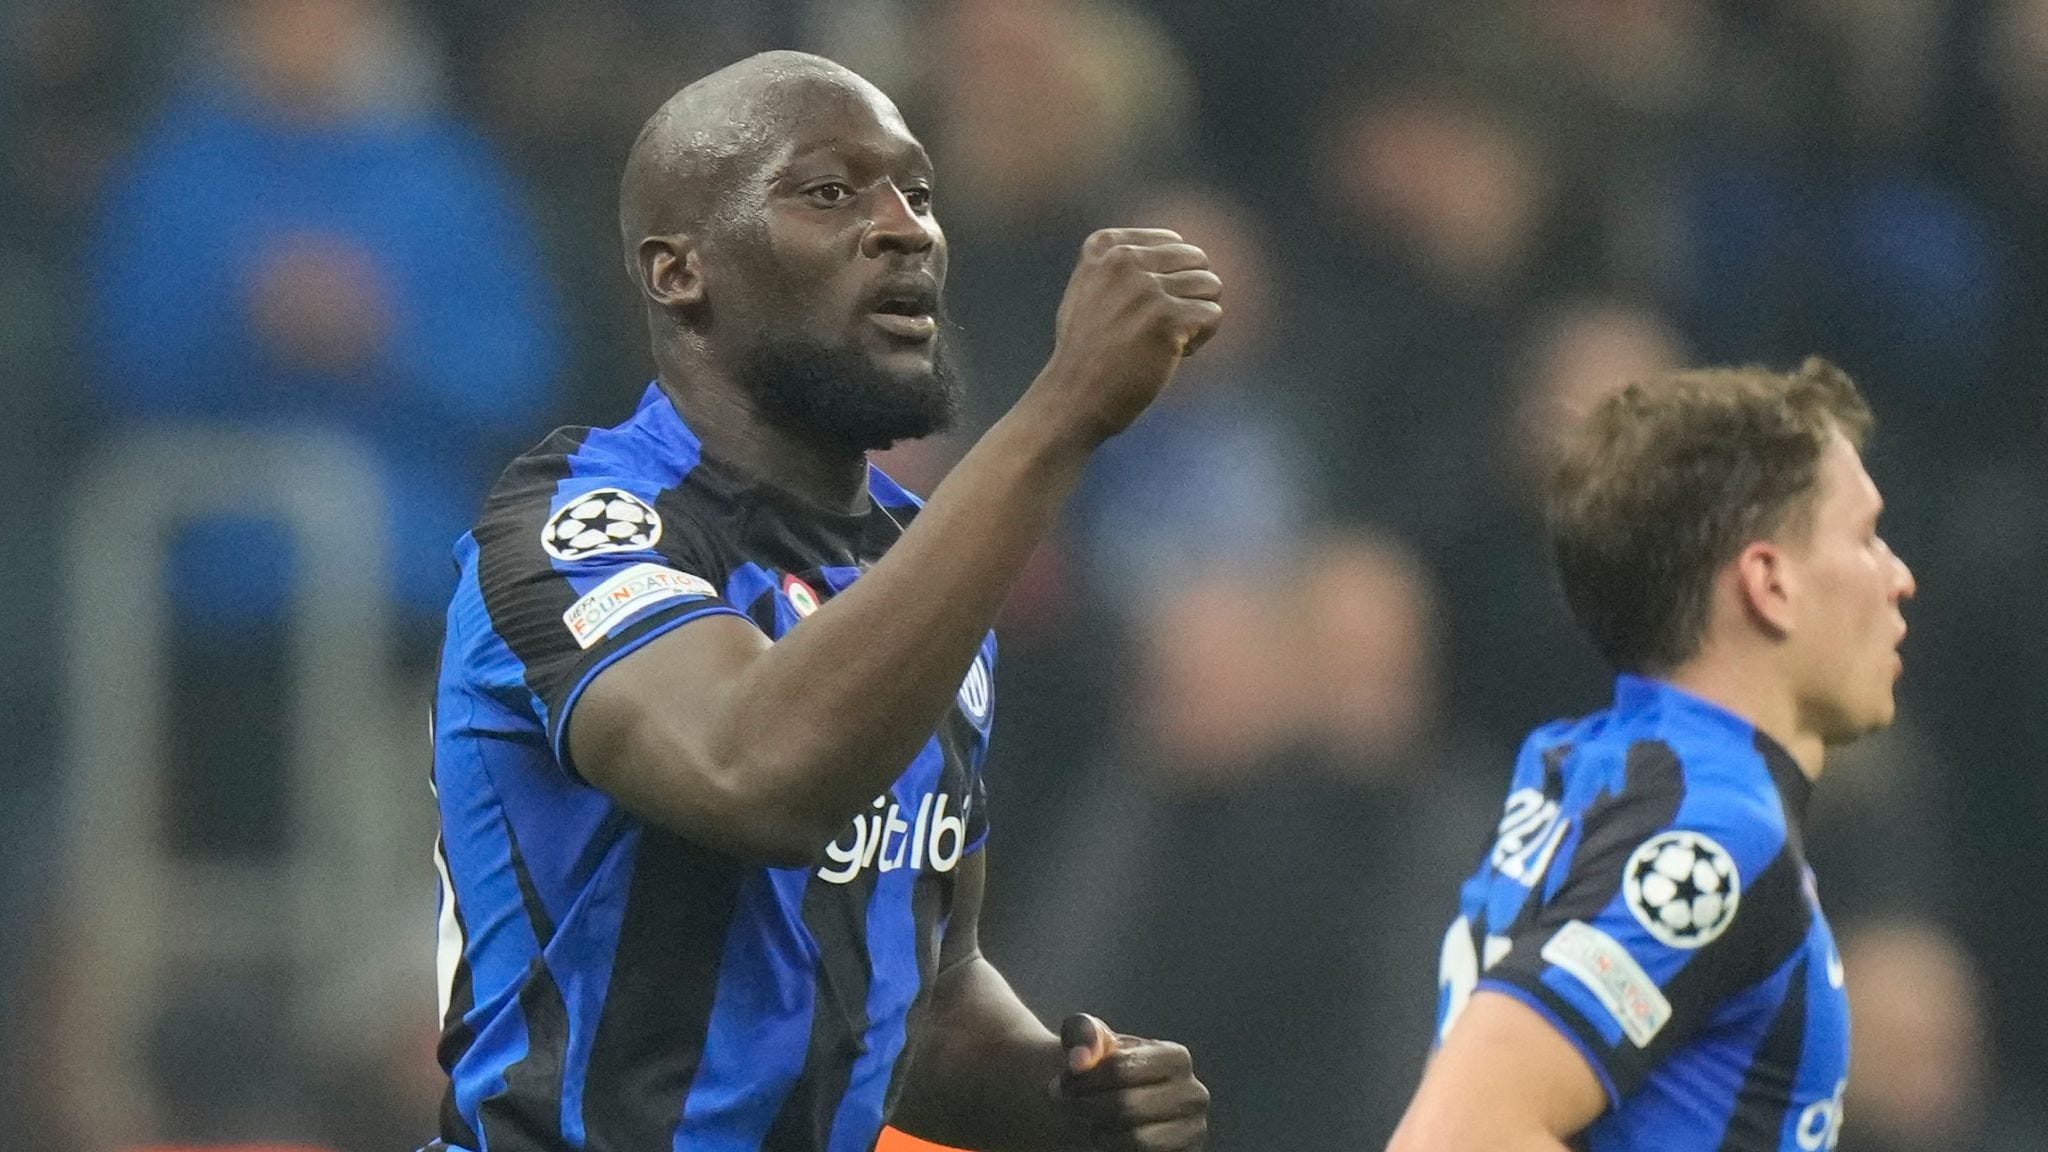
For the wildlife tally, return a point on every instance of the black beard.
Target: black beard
(834, 395)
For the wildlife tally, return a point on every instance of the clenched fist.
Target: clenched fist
(1140, 300)
(1127, 1094)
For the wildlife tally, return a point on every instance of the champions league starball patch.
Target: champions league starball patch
(1682, 887)
(599, 521)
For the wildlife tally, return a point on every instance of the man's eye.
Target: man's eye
(919, 199)
(831, 193)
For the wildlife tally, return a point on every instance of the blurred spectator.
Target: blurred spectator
(1878, 831)
(72, 73)
(564, 88)
(1433, 251)
(1412, 788)
(303, 240)
(1921, 1081)
(1862, 178)
(1517, 658)
(1816, 221)
(1211, 476)
(314, 244)
(1040, 112)
(1293, 802)
(68, 74)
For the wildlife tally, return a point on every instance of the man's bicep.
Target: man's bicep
(1505, 1078)
(644, 729)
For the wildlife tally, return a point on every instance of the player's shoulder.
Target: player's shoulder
(1669, 787)
(1662, 762)
(578, 480)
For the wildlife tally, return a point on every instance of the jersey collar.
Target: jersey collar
(1637, 694)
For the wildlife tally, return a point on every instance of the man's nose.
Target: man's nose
(895, 226)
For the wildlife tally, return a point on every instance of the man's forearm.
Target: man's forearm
(826, 718)
(981, 1080)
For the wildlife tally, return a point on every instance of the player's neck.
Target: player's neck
(732, 432)
(1763, 700)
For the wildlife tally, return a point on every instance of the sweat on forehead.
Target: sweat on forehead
(715, 129)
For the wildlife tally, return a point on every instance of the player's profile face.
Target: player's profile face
(1850, 587)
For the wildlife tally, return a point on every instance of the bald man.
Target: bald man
(716, 693)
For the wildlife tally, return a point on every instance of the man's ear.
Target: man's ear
(1764, 584)
(670, 271)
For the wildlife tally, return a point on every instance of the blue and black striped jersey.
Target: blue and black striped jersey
(609, 986)
(1647, 894)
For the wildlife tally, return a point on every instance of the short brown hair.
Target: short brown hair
(1671, 478)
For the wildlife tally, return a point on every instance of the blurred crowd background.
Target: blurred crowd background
(283, 284)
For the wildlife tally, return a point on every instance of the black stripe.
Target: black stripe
(526, 597)
(527, 1113)
(1553, 767)
(456, 1034)
(1766, 1094)
(537, 917)
(1596, 851)
(1795, 789)
(526, 613)
(1613, 826)
(664, 979)
(1771, 923)
(837, 918)
(1610, 829)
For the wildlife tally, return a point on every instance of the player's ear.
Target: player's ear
(1763, 581)
(670, 271)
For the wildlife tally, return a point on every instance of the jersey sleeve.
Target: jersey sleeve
(1667, 906)
(578, 574)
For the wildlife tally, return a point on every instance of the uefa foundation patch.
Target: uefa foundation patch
(609, 604)
(1598, 961)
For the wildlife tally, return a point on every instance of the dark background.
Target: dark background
(1258, 697)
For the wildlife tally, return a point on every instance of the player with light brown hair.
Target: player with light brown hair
(1641, 962)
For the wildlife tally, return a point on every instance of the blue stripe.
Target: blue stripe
(499, 945)
(586, 956)
(498, 942)
(1745, 829)
(747, 584)
(607, 458)
(884, 490)
(760, 1023)
(1823, 1058)
(1692, 1096)
(894, 979)
(1711, 1050)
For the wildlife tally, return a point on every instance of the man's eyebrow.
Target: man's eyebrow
(807, 152)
